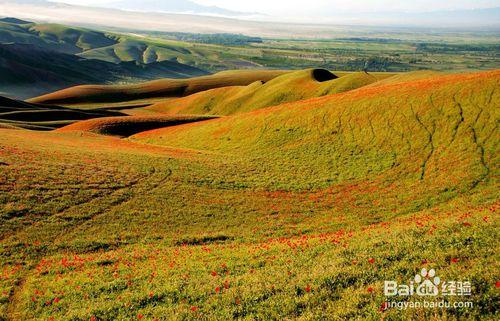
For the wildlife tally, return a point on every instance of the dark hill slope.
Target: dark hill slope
(15, 113)
(14, 21)
(29, 71)
(129, 125)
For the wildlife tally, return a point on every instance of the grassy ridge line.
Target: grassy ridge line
(442, 128)
(290, 87)
(152, 89)
(73, 40)
(408, 76)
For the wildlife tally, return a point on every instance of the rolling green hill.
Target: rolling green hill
(116, 48)
(298, 211)
(289, 87)
(53, 37)
(72, 40)
(39, 58)
(154, 89)
(29, 71)
(417, 129)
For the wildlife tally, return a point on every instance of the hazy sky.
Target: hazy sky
(308, 7)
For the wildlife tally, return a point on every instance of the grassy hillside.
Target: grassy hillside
(299, 211)
(54, 37)
(70, 39)
(29, 71)
(117, 48)
(154, 89)
(40, 58)
(290, 87)
(416, 128)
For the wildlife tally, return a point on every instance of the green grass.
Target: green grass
(160, 88)
(296, 212)
(286, 88)
(81, 39)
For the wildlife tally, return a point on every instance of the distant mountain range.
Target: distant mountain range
(489, 17)
(171, 6)
(14, 21)
(164, 16)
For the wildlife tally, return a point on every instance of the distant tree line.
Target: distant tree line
(372, 64)
(370, 40)
(436, 47)
(216, 38)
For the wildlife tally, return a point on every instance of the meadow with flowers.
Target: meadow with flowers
(298, 211)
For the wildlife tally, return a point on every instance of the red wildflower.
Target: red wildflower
(93, 318)
(308, 288)
(466, 224)
(56, 300)
(370, 289)
(194, 308)
(151, 294)
(371, 260)
(237, 301)
(497, 284)
(217, 289)
(140, 316)
(454, 260)
(214, 273)
(383, 306)
(485, 219)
